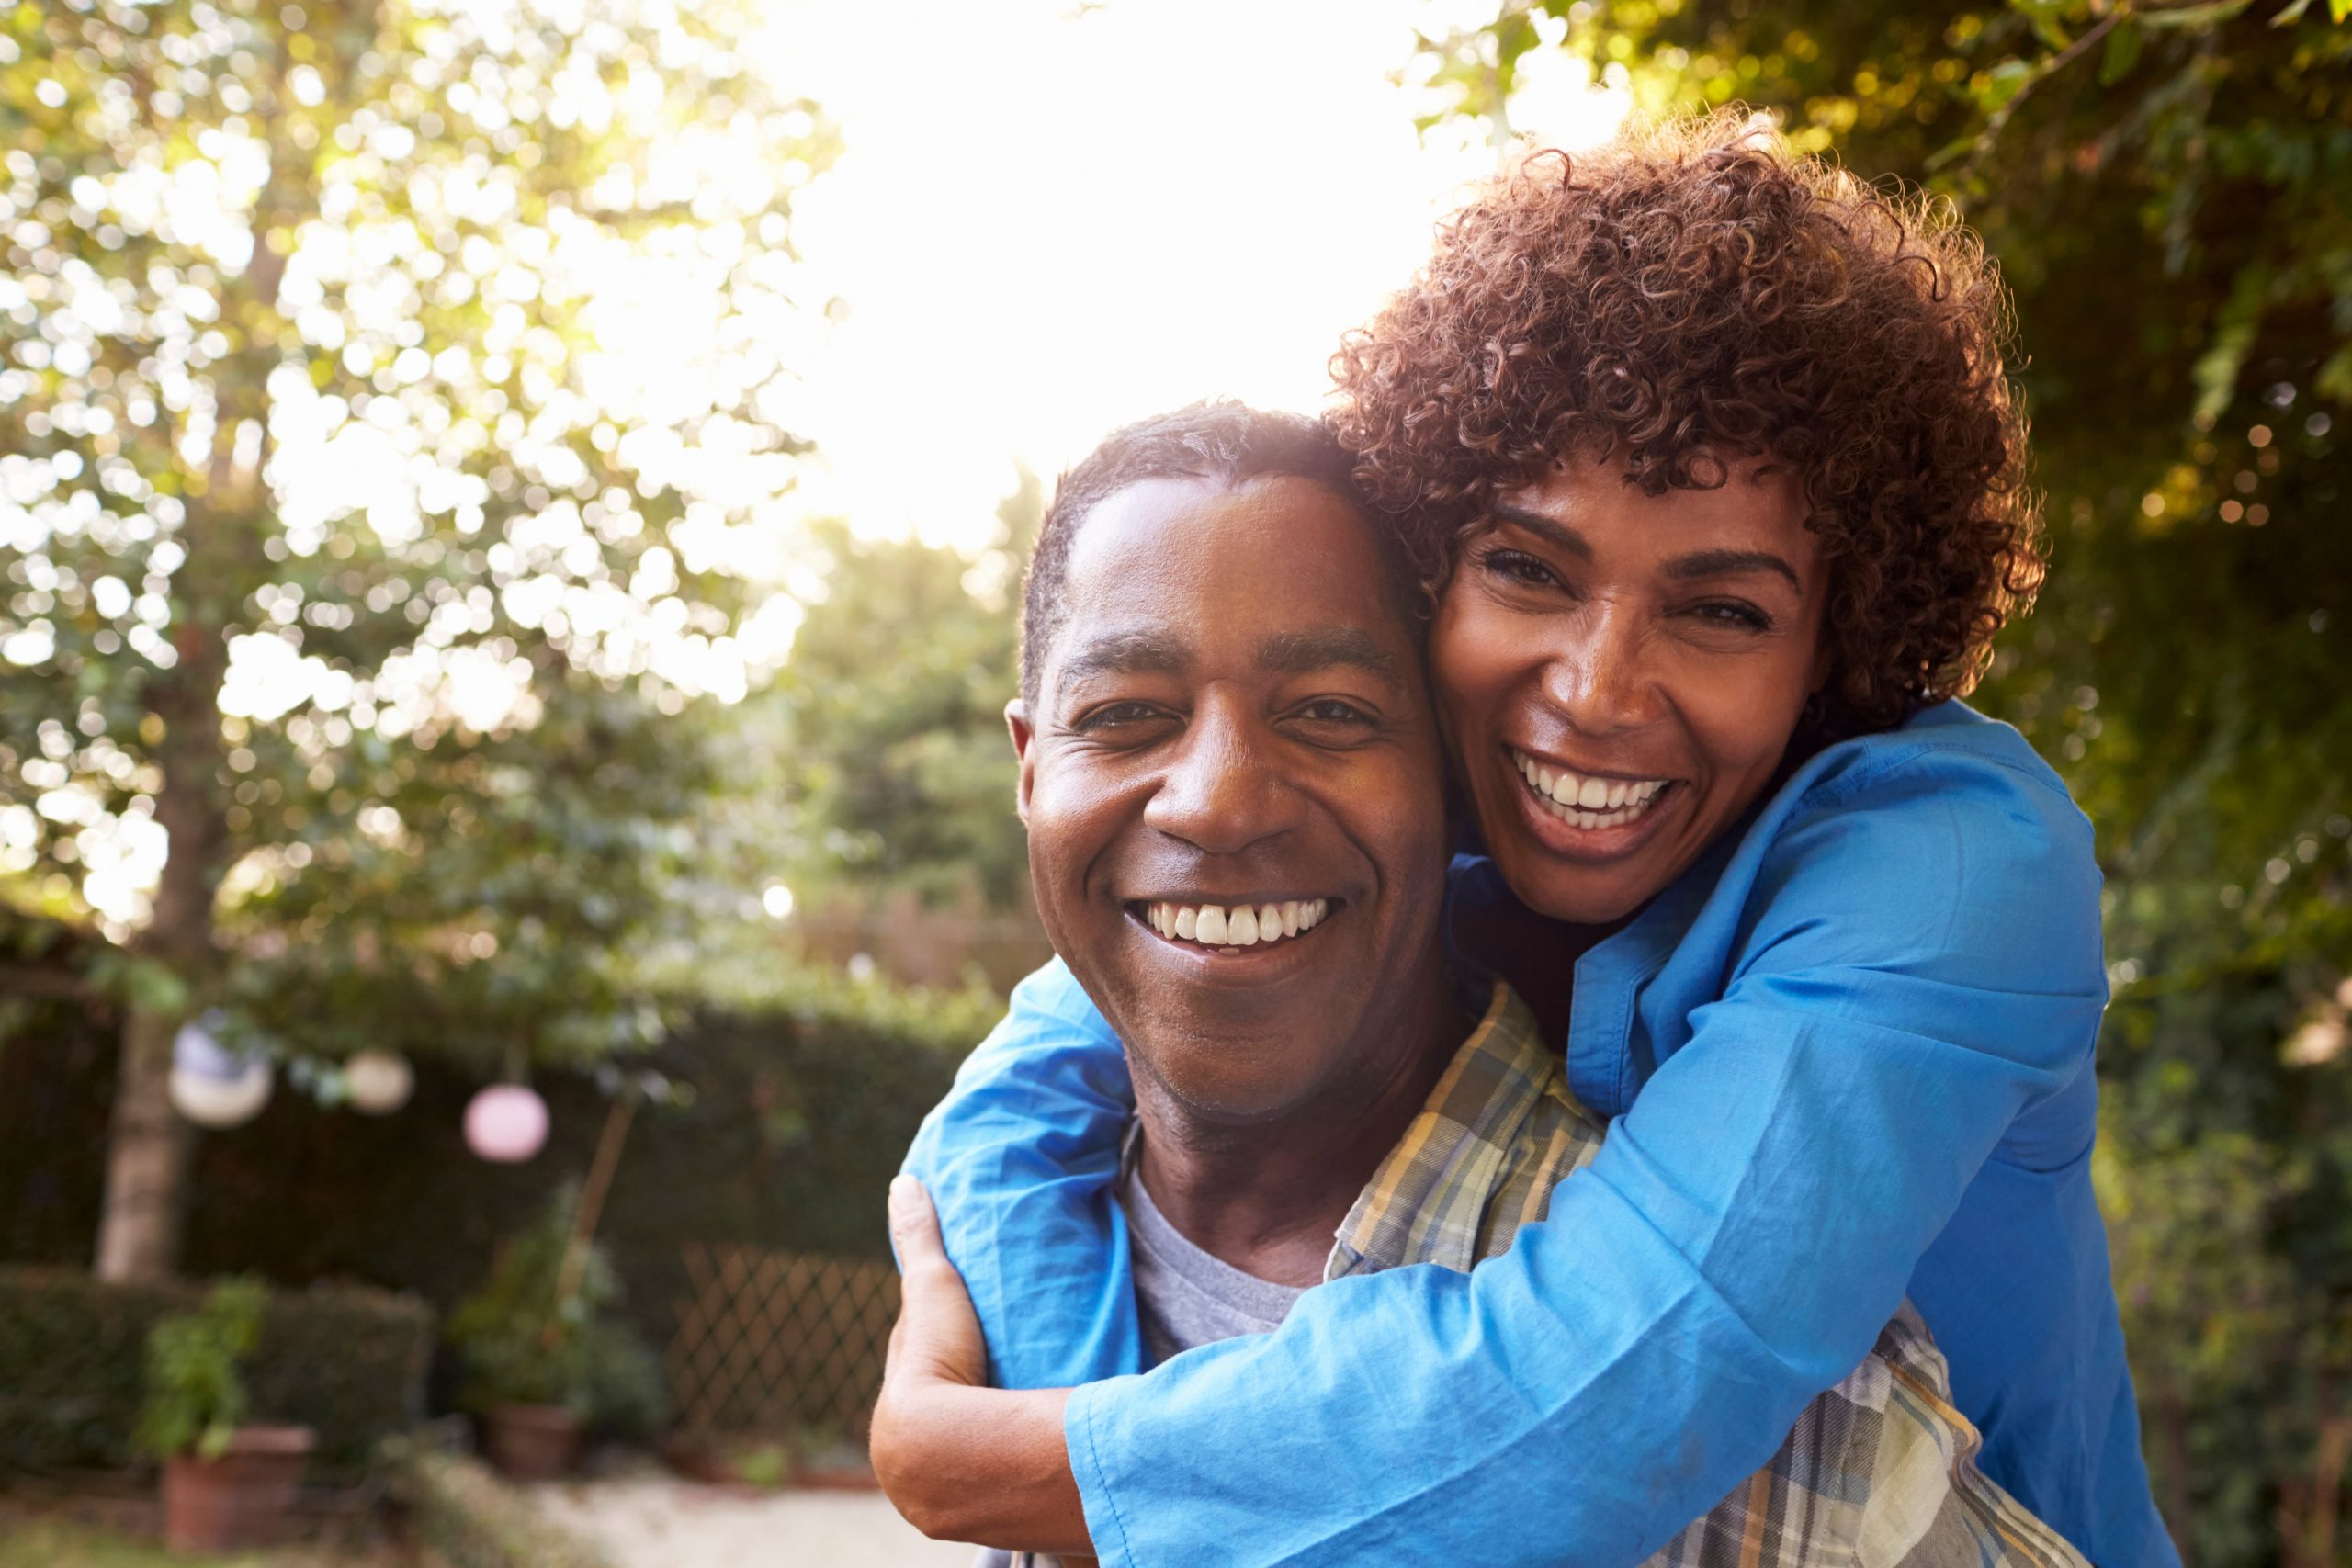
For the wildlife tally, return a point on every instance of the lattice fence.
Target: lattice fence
(775, 1341)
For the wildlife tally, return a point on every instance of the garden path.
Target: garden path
(655, 1520)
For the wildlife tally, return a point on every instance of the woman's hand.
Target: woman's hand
(937, 1338)
(962, 1460)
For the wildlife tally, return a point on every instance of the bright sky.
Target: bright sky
(1052, 217)
(1050, 221)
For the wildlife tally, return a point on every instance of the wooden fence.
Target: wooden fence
(777, 1342)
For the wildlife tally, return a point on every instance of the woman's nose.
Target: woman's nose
(1224, 787)
(1598, 676)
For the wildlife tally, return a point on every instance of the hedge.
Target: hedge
(807, 1090)
(347, 1362)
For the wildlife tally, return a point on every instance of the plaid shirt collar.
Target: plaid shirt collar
(1426, 1201)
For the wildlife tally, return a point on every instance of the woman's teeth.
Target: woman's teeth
(1584, 802)
(1236, 925)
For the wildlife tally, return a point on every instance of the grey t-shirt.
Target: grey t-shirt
(1185, 1296)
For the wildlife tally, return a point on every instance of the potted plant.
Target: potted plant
(542, 1358)
(227, 1483)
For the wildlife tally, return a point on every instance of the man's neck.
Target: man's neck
(1267, 1198)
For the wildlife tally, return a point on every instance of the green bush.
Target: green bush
(346, 1362)
(196, 1398)
(530, 1336)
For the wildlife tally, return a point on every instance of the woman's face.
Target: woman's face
(1645, 657)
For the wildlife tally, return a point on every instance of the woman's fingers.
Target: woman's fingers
(938, 1335)
(914, 1226)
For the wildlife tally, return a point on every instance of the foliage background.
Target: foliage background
(2168, 189)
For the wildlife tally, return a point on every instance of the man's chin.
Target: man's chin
(1222, 1074)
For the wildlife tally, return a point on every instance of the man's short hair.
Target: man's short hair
(1219, 442)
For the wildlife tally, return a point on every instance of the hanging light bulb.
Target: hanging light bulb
(211, 1086)
(506, 1123)
(378, 1082)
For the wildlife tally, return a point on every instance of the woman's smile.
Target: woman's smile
(1626, 813)
(1631, 668)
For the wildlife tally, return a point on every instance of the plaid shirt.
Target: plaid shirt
(1879, 1473)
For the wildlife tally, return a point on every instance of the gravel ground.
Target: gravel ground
(654, 1520)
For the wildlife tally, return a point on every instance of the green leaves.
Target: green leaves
(196, 1398)
(2171, 217)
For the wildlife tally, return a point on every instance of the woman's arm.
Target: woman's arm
(1748, 1227)
(961, 1460)
(1021, 1158)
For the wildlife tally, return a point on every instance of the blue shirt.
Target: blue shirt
(1848, 1055)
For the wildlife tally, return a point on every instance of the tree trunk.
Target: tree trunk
(148, 1146)
(147, 1156)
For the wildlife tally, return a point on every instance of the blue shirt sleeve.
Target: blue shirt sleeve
(1915, 967)
(1021, 1159)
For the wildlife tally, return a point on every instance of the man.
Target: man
(1232, 782)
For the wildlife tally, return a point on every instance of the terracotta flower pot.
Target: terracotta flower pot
(240, 1498)
(530, 1442)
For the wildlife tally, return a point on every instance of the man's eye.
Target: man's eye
(1334, 710)
(1111, 715)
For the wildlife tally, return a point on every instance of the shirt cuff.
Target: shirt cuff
(1103, 1521)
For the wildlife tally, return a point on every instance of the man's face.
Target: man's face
(1234, 718)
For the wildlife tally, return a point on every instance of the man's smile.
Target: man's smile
(1228, 928)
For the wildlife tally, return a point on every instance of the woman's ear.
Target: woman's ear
(1016, 719)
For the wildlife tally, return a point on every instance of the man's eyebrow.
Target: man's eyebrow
(1558, 532)
(1127, 653)
(1319, 647)
(1732, 563)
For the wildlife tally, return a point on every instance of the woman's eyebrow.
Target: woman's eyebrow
(1552, 529)
(1732, 563)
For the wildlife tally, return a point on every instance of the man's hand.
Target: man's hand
(962, 1460)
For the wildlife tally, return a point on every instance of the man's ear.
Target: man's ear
(1016, 719)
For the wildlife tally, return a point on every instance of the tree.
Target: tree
(2164, 185)
(889, 721)
(353, 572)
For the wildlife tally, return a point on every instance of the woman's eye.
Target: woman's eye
(1736, 614)
(1518, 566)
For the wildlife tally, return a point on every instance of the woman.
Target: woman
(1709, 456)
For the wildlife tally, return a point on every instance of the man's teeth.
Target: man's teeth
(1237, 925)
(1585, 802)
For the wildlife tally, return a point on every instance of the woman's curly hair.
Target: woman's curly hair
(1695, 292)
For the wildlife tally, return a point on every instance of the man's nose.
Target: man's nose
(1600, 675)
(1224, 787)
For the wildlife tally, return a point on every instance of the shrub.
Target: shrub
(194, 1397)
(347, 1363)
(538, 1333)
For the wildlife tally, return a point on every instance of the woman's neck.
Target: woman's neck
(1535, 953)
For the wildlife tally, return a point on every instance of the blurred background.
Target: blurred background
(509, 511)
